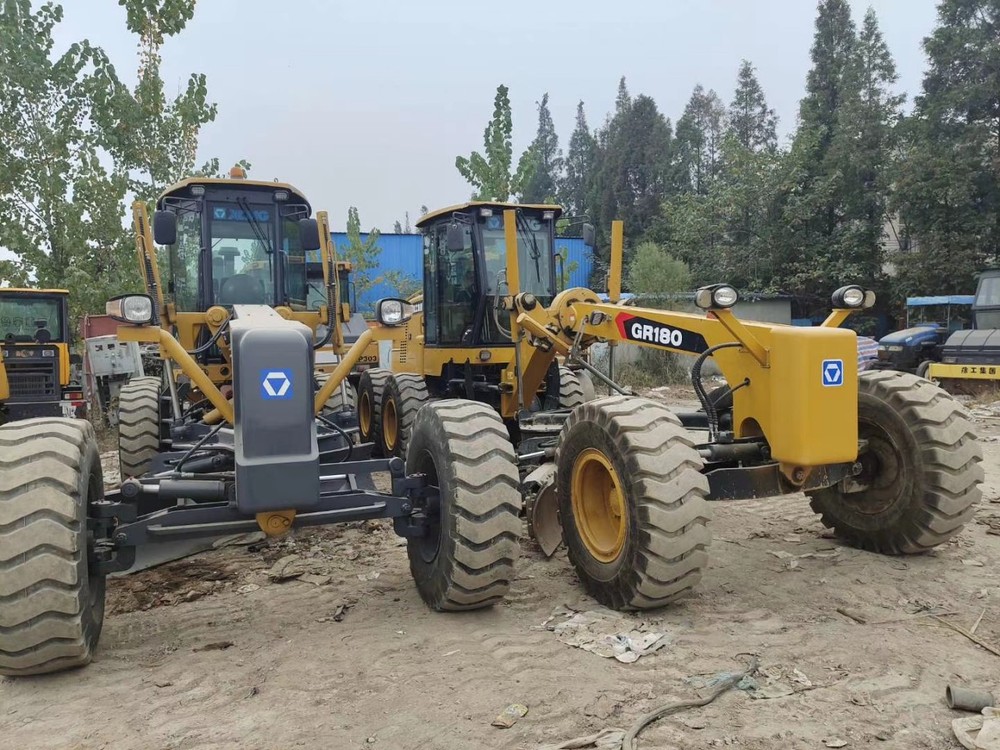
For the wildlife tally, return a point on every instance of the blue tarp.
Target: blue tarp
(949, 299)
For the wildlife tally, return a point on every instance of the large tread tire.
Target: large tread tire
(664, 548)
(404, 394)
(924, 449)
(371, 387)
(570, 390)
(467, 559)
(337, 402)
(51, 606)
(587, 384)
(138, 425)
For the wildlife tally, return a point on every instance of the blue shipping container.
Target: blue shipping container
(403, 254)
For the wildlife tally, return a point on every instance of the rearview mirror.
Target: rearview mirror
(589, 237)
(165, 228)
(456, 237)
(309, 234)
(393, 312)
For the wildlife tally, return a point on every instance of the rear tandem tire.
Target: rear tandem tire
(371, 387)
(467, 558)
(51, 603)
(138, 425)
(633, 502)
(402, 398)
(921, 473)
(337, 402)
(587, 384)
(570, 389)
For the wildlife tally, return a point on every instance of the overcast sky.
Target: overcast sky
(368, 103)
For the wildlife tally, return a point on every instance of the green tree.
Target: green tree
(698, 145)
(546, 159)
(949, 189)
(61, 206)
(727, 235)
(633, 166)
(363, 253)
(152, 137)
(653, 270)
(813, 191)
(579, 166)
(864, 153)
(490, 174)
(751, 122)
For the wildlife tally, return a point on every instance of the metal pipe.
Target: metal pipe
(969, 699)
(346, 364)
(600, 375)
(199, 377)
(175, 400)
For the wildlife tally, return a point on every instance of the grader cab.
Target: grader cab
(228, 241)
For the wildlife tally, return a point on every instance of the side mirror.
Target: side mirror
(165, 228)
(309, 234)
(393, 312)
(589, 236)
(456, 237)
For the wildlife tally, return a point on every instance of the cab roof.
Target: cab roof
(22, 290)
(496, 205)
(183, 187)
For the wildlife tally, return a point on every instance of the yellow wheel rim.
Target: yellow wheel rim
(598, 505)
(365, 414)
(390, 429)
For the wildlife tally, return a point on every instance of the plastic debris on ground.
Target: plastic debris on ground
(979, 732)
(509, 716)
(605, 633)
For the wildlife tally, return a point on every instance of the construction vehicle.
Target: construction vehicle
(351, 321)
(970, 360)
(460, 346)
(618, 479)
(890, 460)
(37, 362)
(255, 257)
(929, 322)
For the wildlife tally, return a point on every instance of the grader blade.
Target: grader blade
(542, 509)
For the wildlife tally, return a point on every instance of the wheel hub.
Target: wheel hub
(365, 414)
(879, 482)
(389, 427)
(599, 505)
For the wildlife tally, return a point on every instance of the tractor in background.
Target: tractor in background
(929, 322)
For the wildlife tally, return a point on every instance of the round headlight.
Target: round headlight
(850, 297)
(854, 297)
(725, 296)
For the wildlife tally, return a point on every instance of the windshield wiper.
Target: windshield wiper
(255, 225)
(536, 254)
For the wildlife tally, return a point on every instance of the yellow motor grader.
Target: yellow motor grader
(889, 461)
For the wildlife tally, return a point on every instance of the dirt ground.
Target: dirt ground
(209, 652)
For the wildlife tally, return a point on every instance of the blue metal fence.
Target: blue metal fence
(403, 253)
